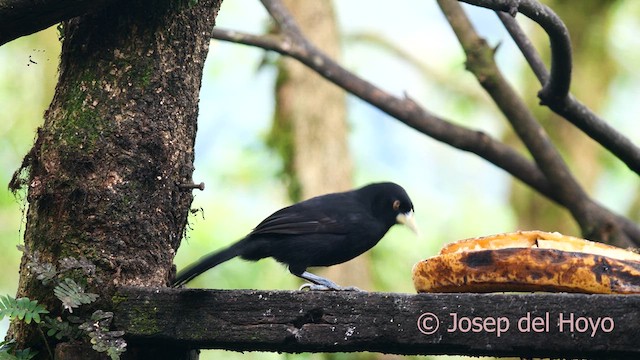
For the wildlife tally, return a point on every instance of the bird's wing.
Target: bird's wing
(307, 218)
(297, 224)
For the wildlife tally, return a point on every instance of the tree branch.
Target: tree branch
(566, 106)
(526, 47)
(559, 81)
(404, 109)
(410, 113)
(23, 17)
(346, 321)
(599, 130)
(594, 222)
(440, 79)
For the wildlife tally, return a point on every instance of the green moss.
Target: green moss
(480, 61)
(80, 126)
(146, 76)
(144, 321)
(73, 242)
(117, 299)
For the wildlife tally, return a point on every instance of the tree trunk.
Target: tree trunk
(311, 112)
(310, 127)
(105, 171)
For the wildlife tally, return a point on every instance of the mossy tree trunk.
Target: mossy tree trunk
(117, 140)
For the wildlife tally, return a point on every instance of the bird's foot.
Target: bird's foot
(316, 287)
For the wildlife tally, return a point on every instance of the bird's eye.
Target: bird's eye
(396, 205)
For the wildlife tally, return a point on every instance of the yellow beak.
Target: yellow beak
(408, 220)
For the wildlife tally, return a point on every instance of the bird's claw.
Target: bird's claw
(311, 287)
(316, 287)
(350, 288)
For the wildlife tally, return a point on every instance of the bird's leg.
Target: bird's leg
(320, 283)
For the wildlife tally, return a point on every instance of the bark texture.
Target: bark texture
(103, 175)
(520, 325)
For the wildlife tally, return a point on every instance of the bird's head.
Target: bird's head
(391, 204)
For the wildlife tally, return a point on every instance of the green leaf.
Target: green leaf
(72, 294)
(26, 354)
(22, 308)
(45, 271)
(8, 352)
(103, 340)
(61, 329)
(70, 263)
(4, 355)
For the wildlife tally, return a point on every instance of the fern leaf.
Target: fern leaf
(45, 271)
(5, 305)
(8, 351)
(61, 329)
(72, 294)
(5, 355)
(103, 340)
(26, 354)
(22, 308)
(70, 263)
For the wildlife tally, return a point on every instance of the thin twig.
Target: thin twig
(285, 21)
(557, 86)
(441, 80)
(46, 342)
(526, 47)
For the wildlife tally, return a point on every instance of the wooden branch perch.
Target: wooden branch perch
(522, 325)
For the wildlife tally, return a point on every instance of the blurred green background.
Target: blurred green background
(456, 195)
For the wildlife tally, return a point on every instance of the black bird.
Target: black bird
(322, 231)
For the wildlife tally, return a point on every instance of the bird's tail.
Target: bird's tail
(207, 262)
